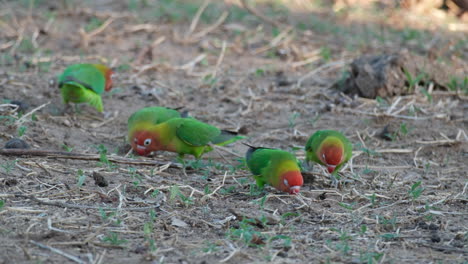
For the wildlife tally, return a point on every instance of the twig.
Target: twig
(81, 156)
(23, 118)
(195, 20)
(220, 59)
(206, 197)
(57, 251)
(85, 37)
(260, 15)
(327, 66)
(79, 206)
(209, 29)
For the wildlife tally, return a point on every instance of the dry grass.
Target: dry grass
(76, 196)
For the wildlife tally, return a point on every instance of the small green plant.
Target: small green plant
(259, 72)
(382, 103)
(416, 190)
(314, 120)
(210, 80)
(363, 229)
(106, 216)
(347, 206)
(261, 201)
(22, 130)
(8, 165)
(93, 24)
(292, 119)
(246, 233)
(113, 239)
(175, 193)
(148, 230)
(427, 94)
(81, 178)
(210, 248)
(2, 204)
(254, 190)
(373, 199)
(344, 238)
(136, 177)
(67, 148)
(389, 236)
(413, 81)
(325, 53)
(370, 257)
(456, 84)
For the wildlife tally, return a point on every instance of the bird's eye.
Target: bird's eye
(286, 182)
(147, 141)
(135, 140)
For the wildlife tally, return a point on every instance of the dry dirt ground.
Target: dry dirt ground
(402, 198)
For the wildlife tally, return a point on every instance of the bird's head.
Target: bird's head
(291, 181)
(108, 75)
(144, 142)
(331, 153)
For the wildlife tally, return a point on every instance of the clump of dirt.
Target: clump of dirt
(388, 75)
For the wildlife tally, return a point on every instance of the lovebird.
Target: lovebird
(329, 148)
(179, 135)
(276, 167)
(84, 83)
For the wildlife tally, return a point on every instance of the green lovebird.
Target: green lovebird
(276, 167)
(84, 83)
(329, 148)
(179, 135)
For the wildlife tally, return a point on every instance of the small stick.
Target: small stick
(220, 59)
(23, 118)
(80, 156)
(327, 66)
(254, 12)
(195, 20)
(57, 251)
(207, 30)
(206, 197)
(79, 206)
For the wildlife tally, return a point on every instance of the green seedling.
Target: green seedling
(416, 190)
(113, 239)
(81, 178)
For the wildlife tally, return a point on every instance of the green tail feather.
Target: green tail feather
(226, 137)
(75, 93)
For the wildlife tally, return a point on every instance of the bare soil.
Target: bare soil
(402, 198)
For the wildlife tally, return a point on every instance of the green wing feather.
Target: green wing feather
(86, 75)
(153, 115)
(226, 137)
(194, 132)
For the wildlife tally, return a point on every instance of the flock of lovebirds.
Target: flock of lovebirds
(164, 129)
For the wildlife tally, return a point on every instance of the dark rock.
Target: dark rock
(385, 75)
(16, 143)
(22, 106)
(99, 179)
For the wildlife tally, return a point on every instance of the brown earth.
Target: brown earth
(401, 199)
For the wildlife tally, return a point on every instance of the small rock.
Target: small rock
(16, 143)
(435, 238)
(99, 179)
(177, 222)
(22, 106)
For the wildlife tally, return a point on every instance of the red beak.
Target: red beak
(331, 168)
(294, 189)
(140, 150)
